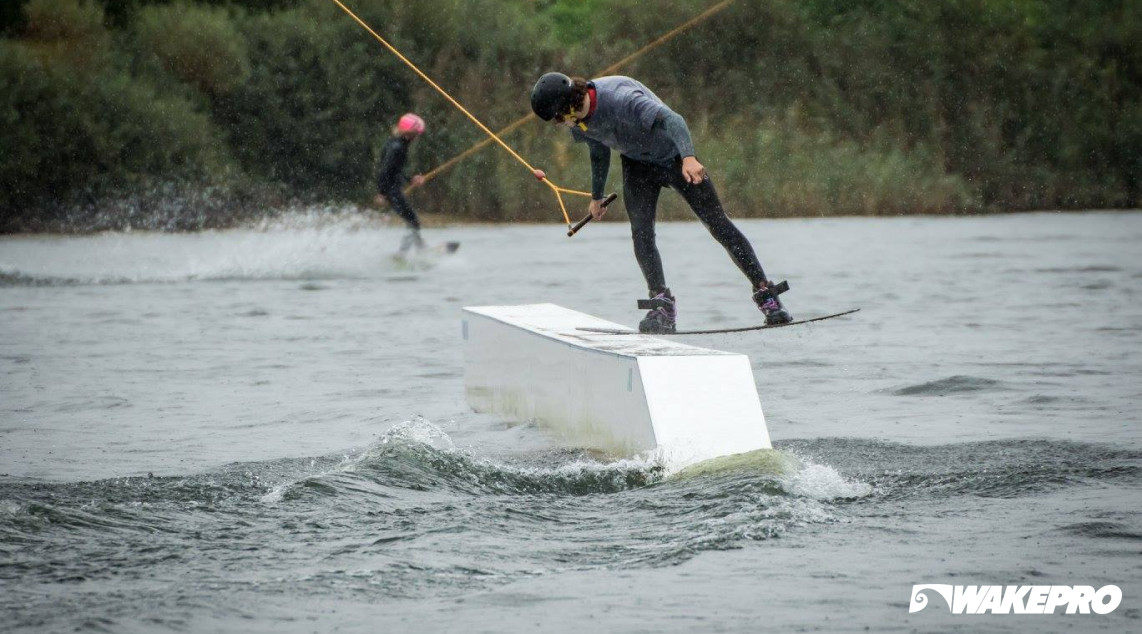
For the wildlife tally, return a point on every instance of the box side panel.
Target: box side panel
(703, 407)
(588, 398)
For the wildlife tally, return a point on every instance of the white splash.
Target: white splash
(822, 482)
(418, 431)
(315, 244)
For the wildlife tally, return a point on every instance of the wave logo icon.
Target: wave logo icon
(920, 600)
(1018, 599)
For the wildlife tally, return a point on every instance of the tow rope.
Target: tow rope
(558, 191)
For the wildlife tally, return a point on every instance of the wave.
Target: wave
(417, 455)
(1105, 529)
(634, 511)
(414, 486)
(1093, 268)
(1002, 468)
(413, 514)
(957, 384)
(16, 278)
(292, 247)
(415, 461)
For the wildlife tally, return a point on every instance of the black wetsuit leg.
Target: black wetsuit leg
(703, 199)
(401, 206)
(641, 185)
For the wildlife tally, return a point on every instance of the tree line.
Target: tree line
(189, 114)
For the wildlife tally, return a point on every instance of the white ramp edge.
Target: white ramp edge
(622, 395)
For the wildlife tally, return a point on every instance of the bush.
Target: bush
(316, 96)
(199, 45)
(798, 106)
(64, 20)
(68, 134)
(69, 31)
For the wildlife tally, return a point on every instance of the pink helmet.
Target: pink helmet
(411, 123)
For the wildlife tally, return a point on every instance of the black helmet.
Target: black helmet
(551, 96)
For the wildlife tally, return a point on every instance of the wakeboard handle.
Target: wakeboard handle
(572, 230)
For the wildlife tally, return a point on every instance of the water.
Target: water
(265, 430)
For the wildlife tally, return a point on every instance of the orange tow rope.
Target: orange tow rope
(606, 71)
(558, 191)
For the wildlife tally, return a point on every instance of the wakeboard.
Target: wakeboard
(715, 331)
(426, 257)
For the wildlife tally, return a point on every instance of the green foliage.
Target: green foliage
(58, 20)
(784, 170)
(315, 99)
(198, 44)
(68, 31)
(69, 135)
(11, 17)
(796, 106)
(573, 20)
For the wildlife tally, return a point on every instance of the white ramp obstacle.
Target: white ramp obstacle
(618, 394)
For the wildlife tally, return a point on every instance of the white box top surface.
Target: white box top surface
(562, 324)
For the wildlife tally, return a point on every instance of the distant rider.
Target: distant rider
(391, 178)
(619, 113)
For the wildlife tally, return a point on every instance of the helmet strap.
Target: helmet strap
(571, 112)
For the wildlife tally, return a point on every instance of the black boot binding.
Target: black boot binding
(767, 301)
(660, 319)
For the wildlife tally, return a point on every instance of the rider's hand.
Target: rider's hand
(417, 180)
(693, 171)
(597, 209)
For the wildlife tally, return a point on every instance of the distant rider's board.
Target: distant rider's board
(424, 258)
(715, 331)
(444, 247)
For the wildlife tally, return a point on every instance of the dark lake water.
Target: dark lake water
(264, 430)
